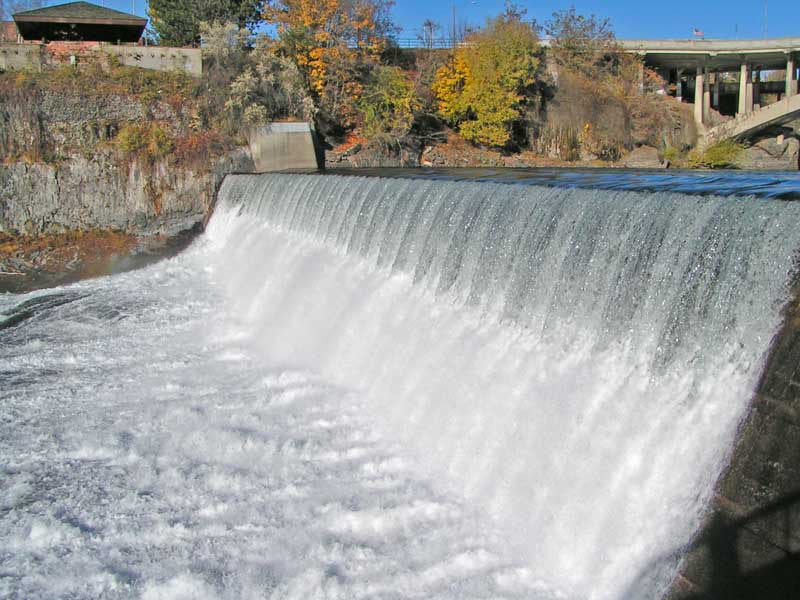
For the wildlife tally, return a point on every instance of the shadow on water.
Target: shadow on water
(724, 563)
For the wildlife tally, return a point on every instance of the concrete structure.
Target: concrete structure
(20, 57)
(724, 61)
(780, 112)
(79, 21)
(281, 146)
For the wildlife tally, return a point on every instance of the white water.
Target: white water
(365, 388)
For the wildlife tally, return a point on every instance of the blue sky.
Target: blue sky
(630, 18)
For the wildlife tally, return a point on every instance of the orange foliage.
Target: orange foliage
(331, 41)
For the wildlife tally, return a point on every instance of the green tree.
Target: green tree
(388, 104)
(177, 22)
(491, 80)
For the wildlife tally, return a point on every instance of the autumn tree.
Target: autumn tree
(485, 89)
(586, 44)
(335, 44)
(177, 22)
(600, 104)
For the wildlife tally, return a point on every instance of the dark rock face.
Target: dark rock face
(750, 544)
(101, 192)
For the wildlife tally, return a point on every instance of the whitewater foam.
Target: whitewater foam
(371, 387)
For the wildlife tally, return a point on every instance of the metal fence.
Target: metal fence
(423, 44)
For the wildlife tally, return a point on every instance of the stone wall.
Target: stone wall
(749, 546)
(20, 57)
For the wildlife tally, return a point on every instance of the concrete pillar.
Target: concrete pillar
(745, 91)
(706, 95)
(679, 85)
(717, 85)
(757, 90)
(699, 93)
(791, 82)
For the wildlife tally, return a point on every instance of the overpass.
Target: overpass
(724, 78)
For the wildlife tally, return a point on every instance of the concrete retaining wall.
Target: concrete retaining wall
(18, 57)
(189, 60)
(280, 146)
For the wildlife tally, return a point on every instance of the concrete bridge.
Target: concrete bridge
(725, 78)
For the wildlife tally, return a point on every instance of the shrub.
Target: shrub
(150, 141)
(721, 155)
(132, 138)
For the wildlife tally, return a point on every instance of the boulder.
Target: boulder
(644, 157)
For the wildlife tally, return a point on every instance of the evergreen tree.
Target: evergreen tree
(177, 22)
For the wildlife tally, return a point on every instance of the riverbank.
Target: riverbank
(28, 263)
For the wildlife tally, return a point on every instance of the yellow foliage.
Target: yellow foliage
(490, 78)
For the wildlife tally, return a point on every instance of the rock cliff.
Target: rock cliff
(102, 192)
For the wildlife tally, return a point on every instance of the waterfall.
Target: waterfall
(574, 362)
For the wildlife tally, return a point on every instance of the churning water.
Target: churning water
(356, 387)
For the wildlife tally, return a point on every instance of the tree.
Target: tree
(177, 22)
(335, 44)
(486, 88)
(580, 43)
(428, 34)
(11, 7)
(388, 104)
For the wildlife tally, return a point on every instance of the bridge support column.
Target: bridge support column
(745, 91)
(699, 94)
(706, 95)
(679, 85)
(717, 83)
(791, 81)
(757, 90)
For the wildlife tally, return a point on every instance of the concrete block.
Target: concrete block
(281, 146)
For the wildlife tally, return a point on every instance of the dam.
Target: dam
(402, 387)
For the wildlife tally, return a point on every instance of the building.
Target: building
(79, 22)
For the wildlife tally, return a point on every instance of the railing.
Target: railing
(429, 44)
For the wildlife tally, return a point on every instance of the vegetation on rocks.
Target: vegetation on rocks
(719, 156)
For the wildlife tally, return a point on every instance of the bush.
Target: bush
(132, 138)
(721, 155)
(150, 141)
(388, 104)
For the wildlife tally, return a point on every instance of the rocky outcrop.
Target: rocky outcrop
(405, 154)
(644, 157)
(778, 152)
(103, 192)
